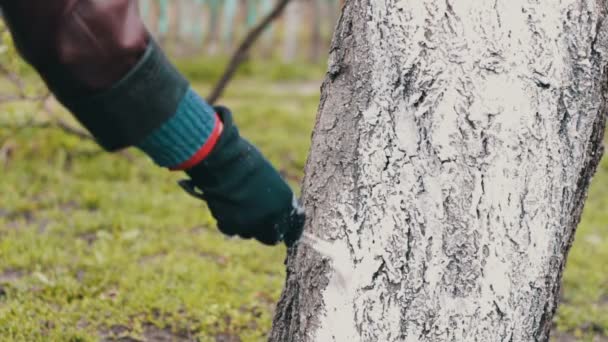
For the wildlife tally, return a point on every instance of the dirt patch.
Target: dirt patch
(23, 215)
(19, 219)
(219, 259)
(68, 207)
(10, 276)
(151, 333)
(89, 237)
(6, 278)
(116, 333)
(152, 258)
(562, 337)
(227, 338)
(199, 230)
(567, 337)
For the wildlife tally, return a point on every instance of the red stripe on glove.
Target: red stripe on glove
(204, 151)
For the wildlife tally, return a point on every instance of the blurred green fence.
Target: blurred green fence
(214, 26)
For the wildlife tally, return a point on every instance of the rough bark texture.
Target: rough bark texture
(450, 162)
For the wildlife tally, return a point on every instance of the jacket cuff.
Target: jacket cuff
(135, 106)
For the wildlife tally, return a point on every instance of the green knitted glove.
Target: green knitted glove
(245, 194)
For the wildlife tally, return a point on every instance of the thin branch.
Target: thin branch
(58, 123)
(67, 128)
(241, 53)
(42, 101)
(75, 131)
(13, 78)
(20, 98)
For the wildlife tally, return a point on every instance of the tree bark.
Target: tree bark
(450, 161)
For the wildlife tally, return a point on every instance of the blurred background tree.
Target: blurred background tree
(190, 27)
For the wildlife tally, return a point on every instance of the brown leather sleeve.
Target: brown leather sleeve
(78, 46)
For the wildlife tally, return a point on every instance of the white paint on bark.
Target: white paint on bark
(450, 161)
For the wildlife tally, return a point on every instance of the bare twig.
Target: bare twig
(67, 128)
(19, 98)
(13, 78)
(241, 53)
(43, 102)
(60, 123)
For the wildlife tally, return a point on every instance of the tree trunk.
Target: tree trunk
(164, 20)
(450, 161)
(315, 34)
(211, 41)
(230, 10)
(291, 30)
(267, 45)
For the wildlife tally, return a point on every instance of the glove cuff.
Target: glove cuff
(212, 169)
(187, 138)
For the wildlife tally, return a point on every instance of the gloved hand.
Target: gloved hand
(245, 194)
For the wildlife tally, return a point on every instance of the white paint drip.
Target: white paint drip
(339, 324)
(329, 250)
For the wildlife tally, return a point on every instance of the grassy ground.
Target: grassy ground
(96, 246)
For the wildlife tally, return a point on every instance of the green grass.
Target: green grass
(104, 246)
(93, 244)
(209, 69)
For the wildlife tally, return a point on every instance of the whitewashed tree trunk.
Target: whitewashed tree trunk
(450, 161)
